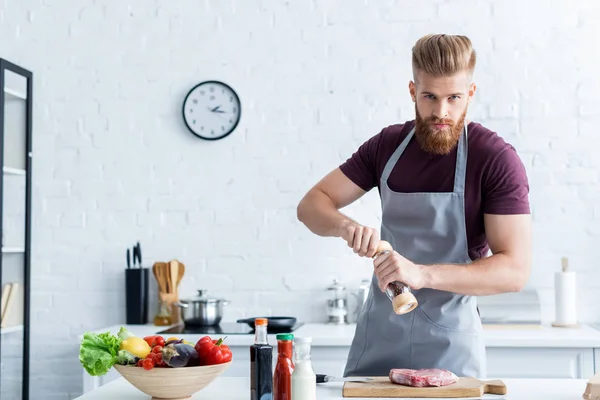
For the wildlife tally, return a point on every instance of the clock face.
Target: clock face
(211, 110)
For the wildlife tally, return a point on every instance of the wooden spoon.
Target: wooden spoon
(167, 273)
(159, 275)
(174, 274)
(164, 276)
(181, 273)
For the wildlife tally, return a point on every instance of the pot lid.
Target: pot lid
(202, 298)
(336, 286)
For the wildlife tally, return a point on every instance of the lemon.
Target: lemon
(136, 346)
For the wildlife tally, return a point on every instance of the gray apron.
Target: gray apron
(444, 331)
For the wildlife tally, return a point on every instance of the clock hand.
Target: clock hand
(216, 109)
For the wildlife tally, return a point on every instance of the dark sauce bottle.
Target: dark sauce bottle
(261, 363)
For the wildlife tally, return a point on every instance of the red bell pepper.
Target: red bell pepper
(212, 351)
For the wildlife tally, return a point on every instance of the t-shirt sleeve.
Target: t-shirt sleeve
(361, 167)
(506, 187)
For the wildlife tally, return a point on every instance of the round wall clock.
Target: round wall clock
(211, 110)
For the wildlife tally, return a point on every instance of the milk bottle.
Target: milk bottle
(304, 380)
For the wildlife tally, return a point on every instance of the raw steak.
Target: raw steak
(422, 377)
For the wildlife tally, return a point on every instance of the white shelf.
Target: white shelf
(10, 329)
(13, 250)
(13, 171)
(12, 94)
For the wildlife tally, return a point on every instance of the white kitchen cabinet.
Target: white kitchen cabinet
(329, 360)
(541, 362)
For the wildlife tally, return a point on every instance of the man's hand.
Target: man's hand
(362, 239)
(392, 267)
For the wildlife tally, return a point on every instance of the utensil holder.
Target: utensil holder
(170, 299)
(136, 295)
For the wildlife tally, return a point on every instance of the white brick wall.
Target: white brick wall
(114, 163)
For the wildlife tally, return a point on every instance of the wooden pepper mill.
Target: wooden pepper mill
(403, 301)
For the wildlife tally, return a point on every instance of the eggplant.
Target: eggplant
(173, 341)
(179, 355)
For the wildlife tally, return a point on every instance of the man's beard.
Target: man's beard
(442, 141)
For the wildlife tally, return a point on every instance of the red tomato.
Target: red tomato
(157, 349)
(148, 363)
(155, 340)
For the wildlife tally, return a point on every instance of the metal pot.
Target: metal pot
(201, 310)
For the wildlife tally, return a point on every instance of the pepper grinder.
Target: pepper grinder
(403, 301)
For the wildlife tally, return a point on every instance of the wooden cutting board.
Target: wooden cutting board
(592, 389)
(381, 387)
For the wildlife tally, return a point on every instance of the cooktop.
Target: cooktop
(226, 328)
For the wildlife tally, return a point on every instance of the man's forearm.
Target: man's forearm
(319, 214)
(491, 275)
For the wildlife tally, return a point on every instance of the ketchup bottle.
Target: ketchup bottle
(282, 378)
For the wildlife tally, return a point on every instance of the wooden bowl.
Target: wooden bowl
(171, 383)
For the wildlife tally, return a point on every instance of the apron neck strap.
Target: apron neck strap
(461, 160)
(389, 166)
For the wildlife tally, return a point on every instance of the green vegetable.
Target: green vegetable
(124, 357)
(98, 352)
(180, 355)
(124, 334)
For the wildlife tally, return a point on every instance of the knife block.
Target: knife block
(136, 296)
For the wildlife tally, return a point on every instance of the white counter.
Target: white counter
(341, 335)
(535, 353)
(238, 389)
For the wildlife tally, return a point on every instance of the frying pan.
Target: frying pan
(274, 322)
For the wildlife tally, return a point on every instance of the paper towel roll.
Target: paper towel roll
(565, 290)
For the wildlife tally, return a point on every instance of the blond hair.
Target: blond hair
(443, 55)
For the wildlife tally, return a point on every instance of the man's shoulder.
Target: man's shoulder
(399, 127)
(495, 157)
(487, 142)
(383, 143)
(396, 132)
(501, 172)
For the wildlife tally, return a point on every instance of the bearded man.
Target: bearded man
(449, 197)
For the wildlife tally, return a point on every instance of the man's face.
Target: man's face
(441, 105)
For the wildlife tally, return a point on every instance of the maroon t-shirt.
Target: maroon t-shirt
(495, 183)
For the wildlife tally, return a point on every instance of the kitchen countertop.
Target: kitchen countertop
(238, 389)
(326, 335)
